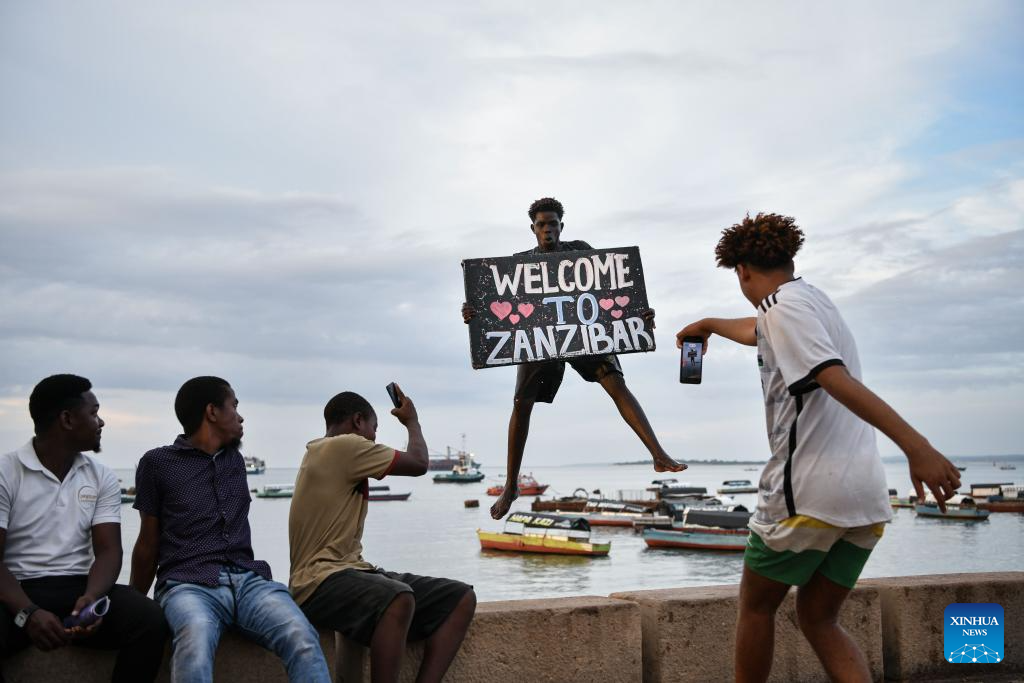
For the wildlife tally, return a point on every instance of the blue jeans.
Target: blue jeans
(260, 610)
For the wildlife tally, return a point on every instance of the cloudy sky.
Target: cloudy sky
(281, 194)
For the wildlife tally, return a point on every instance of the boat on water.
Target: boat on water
(127, 495)
(276, 491)
(580, 499)
(255, 466)
(1010, 498)
(672, 487)
(962, 469)
(451, 458)
(529, 532)
(466, 472)
(897, 502)
(959, 507)
(528, 486)
(614, 513)
(983, 491)
(384, 493)
(1007, 466)
(737, 486)
(722, 527)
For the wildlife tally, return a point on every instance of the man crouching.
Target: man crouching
(331, 581)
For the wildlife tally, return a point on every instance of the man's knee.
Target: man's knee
(197, 638)
(812, 613)
(467, 605)
(522, 407)
(402, 607)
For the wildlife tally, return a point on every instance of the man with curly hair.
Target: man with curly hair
(540, 381)
(822, 500)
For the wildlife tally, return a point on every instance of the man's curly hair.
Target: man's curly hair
(766, 242)
(546, 204)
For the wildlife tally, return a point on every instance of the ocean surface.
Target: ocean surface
(433, 533)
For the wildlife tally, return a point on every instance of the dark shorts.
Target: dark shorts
(539, 382)
(353, 601)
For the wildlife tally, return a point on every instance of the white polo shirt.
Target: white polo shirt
(49, 522)
(825, 462)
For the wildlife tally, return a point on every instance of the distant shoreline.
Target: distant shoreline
(701, 462)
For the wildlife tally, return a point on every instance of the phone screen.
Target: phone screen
(690, 361)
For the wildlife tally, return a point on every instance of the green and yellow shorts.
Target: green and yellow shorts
(792, 550)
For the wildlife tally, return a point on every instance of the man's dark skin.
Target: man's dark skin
(74, 431)
(547, 228)
(389, 638)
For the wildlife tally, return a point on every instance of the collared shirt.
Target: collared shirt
(825, 461)
(202, 502)
(48, 521)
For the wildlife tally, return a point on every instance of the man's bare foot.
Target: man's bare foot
(663, 463)
(504, 502)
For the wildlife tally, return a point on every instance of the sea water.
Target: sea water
(433, 533)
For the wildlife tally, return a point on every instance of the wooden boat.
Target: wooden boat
(384, 493)
(528, 532)
(528, 486)
(958, 507)
(697, 538)
(276, 491)
(737, 486)
(614, 513)
(1009, 499)
(671, 487)
(580, 498)
(1007, 467)
(255, 466)
(652, 522)
(897, 502)
(982, 491)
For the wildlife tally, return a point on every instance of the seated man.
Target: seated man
(336, 587)
(194, 502)
(60, 539)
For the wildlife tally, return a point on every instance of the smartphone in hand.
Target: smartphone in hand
(392, 390)
(691, 360)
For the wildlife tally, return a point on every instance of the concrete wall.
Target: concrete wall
(683, 634)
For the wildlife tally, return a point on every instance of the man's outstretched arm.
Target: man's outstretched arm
(740, 330)
(927, 465)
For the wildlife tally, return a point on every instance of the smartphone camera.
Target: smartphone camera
(691, 360)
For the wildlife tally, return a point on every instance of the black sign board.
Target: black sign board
(558, 305)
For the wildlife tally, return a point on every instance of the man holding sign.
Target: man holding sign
(589, 347)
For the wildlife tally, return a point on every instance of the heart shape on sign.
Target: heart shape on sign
(605, 303)
(616, 314)
(622, 300)
(501, 309)
(513, 318)
(525, 309)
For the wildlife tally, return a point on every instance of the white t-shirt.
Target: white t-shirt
(49, 522)
(825, 461)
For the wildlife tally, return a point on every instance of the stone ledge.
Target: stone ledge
(912, 622)
(559, 640)
(689, 635)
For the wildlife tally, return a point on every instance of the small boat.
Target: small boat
(528, 486)
(750, 469)
(737, 486)
(674, 490)
(1009, 499)
(614, 513)
(276, 491)
(127, 495)
(255, 466)
(897, 502)
(580, 499)
(962, 469)
(697, 538)
(983, 491)
(465, 472)
(958, 507)
(529, 532)
(384, 493)
(1007, 466)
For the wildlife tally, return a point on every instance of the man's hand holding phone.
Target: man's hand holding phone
(404, 410)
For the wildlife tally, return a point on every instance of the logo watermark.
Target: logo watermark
(973, 633)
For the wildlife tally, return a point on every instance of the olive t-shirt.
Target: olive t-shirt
(325, 525)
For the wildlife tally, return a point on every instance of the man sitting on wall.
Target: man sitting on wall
(60, 539)
(194, 502)
(336, 587)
